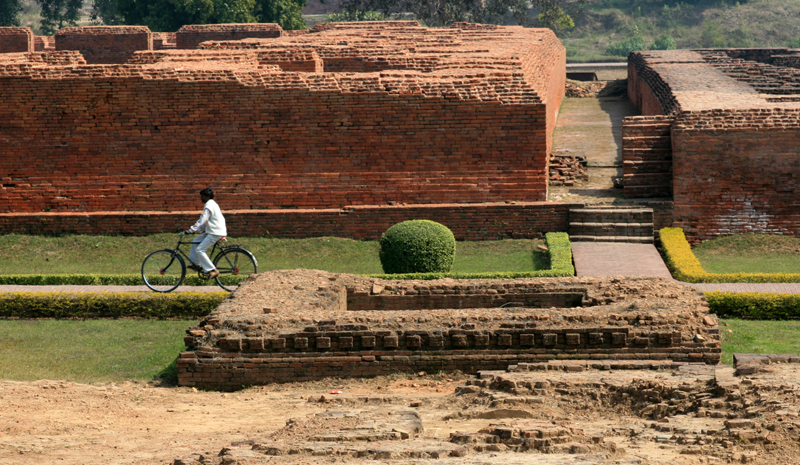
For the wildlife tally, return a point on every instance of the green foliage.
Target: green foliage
(664, 42)
(685, 266)
(754, 305)
(624, 48)
(559, 250)
(108, 305)
(445, 12)
(287, 13)
(9, 12)
(417, 246)
(556, 19)
(57, 14)
(357, 15)
(170, 15)
(793, 43)
(100, 280)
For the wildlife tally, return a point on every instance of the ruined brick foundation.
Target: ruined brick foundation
(302, 325)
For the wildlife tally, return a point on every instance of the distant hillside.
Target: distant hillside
(691, 24)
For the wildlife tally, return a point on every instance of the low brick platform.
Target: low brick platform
(300, 325)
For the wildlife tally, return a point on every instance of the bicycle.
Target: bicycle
(164, 270)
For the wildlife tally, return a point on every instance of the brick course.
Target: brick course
(191, 36)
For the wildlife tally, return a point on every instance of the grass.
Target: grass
(763, 337)
(750, 253)
(89, 351)
(27, 254)
(104, 351)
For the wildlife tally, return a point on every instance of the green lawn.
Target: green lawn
(763, 337)
(89, 351)
(25, 254)
(750, 253)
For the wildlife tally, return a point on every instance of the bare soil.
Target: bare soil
(697, 415)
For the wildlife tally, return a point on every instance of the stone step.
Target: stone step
(611, 224)
(633, 239)
(611, 229)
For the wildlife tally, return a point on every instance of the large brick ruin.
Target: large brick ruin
(298, 325)
(720, 132)
(340, 116)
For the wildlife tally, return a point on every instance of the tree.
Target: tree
(9, 12)
(556, 14)
(287, 13)
(170, 15)
(57, 14)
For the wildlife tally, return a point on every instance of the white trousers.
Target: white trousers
(200, 245)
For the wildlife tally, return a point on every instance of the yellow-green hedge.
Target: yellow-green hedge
(685, 267)
(754, 305)
(83, 305)
(559, 249)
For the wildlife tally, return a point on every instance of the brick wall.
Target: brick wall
(105, 44)
(468, 222)
(737, 172)
(43, 43)
(16, 40)
(647, 156)
(647, 88)
(147, 136)
(190, 36)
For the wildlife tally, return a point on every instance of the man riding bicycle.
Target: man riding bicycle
(212, 226)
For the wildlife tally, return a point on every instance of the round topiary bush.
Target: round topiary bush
(417, 246)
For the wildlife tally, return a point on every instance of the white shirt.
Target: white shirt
(211, 221)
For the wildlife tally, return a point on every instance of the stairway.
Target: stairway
(611, 224)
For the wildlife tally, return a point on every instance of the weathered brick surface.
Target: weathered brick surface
(735, 133)
(44, 43)
(105, 44)
(468, 222)
(455, 115)
(647, 156)
(389, 326)
(191, 36)
(16, 40)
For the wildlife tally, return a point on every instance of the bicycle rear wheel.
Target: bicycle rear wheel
(163, 270)
(233, 264)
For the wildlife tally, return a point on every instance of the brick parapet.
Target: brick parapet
(191, 36)
(105, 44)
(44, 43)
(16, 40)
(468, 222)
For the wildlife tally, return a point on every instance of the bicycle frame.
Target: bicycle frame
(212, 253)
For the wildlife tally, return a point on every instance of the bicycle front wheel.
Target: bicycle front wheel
(163, 270)
(234, 265)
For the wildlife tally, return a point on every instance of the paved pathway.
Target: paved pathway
(617, 259)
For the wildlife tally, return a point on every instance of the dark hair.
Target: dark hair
(208, 192)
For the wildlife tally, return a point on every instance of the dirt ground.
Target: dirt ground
(694, 416)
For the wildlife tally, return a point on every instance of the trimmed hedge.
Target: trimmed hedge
(84, 305)
(559, 249)
(100, 280)
(686, 267)
(417, 246)
(754, 305)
